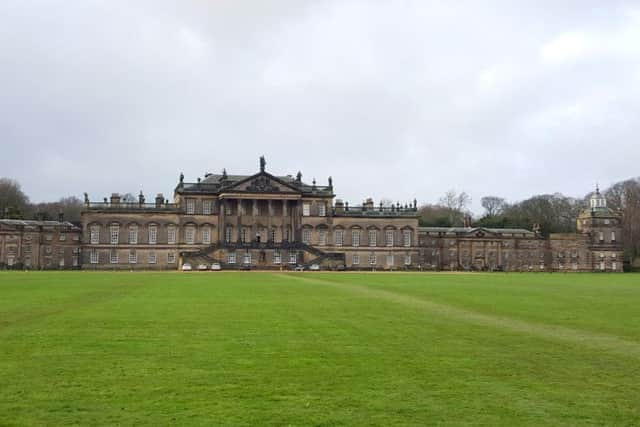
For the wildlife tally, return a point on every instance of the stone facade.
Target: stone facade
(39, 244)
(275, 222)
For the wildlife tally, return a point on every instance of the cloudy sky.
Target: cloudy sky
(394, 99)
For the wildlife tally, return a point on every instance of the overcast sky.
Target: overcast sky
(394, 99)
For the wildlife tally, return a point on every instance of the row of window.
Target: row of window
(306, 209)
(355, 237)
(152, 234)
(277, 257)
(132, 259)
(373, 259)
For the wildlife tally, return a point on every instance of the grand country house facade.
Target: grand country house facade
(274, 222)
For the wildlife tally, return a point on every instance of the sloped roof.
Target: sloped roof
(34, 223)
(473, 230)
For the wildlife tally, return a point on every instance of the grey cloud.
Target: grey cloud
(393, 99)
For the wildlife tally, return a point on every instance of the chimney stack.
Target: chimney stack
(368, 204)
(115, 199)
(159, 200)
(339, 206)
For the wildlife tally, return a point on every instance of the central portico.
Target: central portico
(280, 219)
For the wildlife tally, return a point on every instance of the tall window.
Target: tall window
(355, 238)
(355, 259)
(613, 236)
(93, 256)
(272, 235)
(133, 257)
(373, 234)
(373, 259)
(322, 237)
(389, 234)
(133, 234)
(406, 234)
(191, 206)
(114, 256)
(231, 257)
(153, 234)
(95, 235)
(206, 235)
(390, 260)
(152, 257)
(243, 235)
(189, 235)
(206, 207)
(246, 259)
(293, 258)
(171, 258)
(306, 236)
(171, 234)
(276, 256)
(115, 234)
(339, 237)
(601, 236)
(407, 260)
(322, 209)
(306, 209)
(227, 234)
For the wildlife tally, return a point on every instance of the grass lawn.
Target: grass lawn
(319, 349)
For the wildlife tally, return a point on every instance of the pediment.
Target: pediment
(262, 182)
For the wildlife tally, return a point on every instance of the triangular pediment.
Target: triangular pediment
(262, 182)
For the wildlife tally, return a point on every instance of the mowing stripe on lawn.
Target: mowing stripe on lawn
(594, 340)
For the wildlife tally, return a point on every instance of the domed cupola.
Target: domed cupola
(597, 202)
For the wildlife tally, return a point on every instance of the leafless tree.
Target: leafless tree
(493, 205)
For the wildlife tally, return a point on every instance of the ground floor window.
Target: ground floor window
(276, 257)
(390, 260)
(152, 258)
(373, 260)
(306, 236)
(93, 256)
(293, 258)
(171, 258)
(133, 257)
(246, 258)
(407, 260)
(355, 259)
(114, 256)
(231, 258)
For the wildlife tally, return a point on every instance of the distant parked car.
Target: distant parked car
(203, 267)
(314, 267)
(216, 266)
(186, 267)
(299, 268)
(341, 267)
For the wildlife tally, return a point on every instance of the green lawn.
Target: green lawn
(319, 349)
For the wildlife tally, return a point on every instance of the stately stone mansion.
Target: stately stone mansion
(276, 222)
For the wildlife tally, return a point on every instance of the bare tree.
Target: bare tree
(493, 205)
(454, 201)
